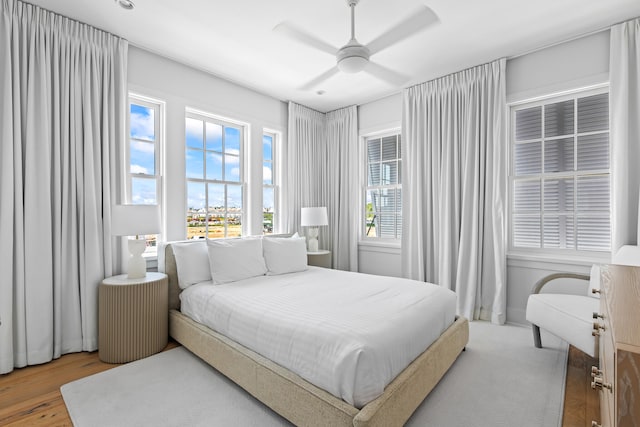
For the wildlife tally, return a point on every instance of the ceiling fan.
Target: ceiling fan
(354, 56)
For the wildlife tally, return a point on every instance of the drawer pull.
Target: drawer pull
(597, 315)
(596, 329)
(595, 372)
(595, 291)
(595, 424)
(598, 384)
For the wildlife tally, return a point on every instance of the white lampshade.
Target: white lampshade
(134, 220)
(311, 217)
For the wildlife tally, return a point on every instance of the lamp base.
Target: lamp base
(312, 243)
(137, 267)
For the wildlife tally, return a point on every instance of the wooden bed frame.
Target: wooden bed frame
(296, 399)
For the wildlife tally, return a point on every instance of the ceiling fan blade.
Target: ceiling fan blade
(418, 21)
(303, 37)
(321, 78)
(385, 74)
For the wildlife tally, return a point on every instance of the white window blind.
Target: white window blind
(383, 204)
(560, 174)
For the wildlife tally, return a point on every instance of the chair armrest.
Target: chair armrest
(540, 284)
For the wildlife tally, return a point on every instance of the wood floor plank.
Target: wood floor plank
(45, 409)
(31, 396)
(581, 404)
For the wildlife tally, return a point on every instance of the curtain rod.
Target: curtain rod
(579, 36)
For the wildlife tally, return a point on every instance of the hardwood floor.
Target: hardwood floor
(581, 402)
(31, 396)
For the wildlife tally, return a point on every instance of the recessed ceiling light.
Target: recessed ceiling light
(126, 4)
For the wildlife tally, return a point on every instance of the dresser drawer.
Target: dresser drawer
(619, 346)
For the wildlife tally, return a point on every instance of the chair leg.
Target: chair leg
(536, 336)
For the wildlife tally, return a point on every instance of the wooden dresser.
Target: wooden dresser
(618, 326)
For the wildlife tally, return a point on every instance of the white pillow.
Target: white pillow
(285, 255)
(192, 263)
(235, 259)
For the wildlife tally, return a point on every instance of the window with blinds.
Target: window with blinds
(383, 204)
(560, 174)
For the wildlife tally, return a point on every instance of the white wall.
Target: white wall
(578, 63)
(180, 86)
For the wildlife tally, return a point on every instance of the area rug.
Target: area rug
(500, 380)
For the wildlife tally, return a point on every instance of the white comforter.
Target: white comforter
(348, 333)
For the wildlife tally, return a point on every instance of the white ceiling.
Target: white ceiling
(235, 39)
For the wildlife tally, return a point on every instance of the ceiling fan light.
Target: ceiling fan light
(126, 4)
(352, 64)
(352, 57)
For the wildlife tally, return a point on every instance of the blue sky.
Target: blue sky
(221, 147)
(213, 153)
(142, 154)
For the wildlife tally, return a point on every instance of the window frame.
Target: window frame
(242, 183)
(568, 254)
(365, 187)
(159, 108)
(274, 186)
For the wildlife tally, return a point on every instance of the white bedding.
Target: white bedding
(348, 333)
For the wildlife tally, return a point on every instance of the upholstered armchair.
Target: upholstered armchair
(570, 316)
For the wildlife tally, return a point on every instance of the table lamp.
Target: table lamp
(312, 218)
(135, 220)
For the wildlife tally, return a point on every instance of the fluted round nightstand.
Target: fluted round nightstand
(321, 258)
(133, 317)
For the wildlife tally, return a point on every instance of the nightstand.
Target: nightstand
(319, 259)
(133, 317)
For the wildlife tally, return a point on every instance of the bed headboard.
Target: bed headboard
(167, 265)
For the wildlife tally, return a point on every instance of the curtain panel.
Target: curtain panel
(624, 76)
(342, 179)
(454, 185)
(321, 151)
(306, 163)
(62, 120)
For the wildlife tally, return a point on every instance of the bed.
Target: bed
(287, 392)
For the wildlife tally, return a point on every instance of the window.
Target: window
(383, 200)
(143, 155)
(560, 174)
(269, 187)
(214, 177)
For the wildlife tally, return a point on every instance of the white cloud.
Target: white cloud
(139, 169)
(144, 147)
(266, 173)
(194, 127)
(142, 126)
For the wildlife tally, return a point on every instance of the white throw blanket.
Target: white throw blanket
(348, 333)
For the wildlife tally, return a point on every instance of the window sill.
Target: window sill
(390, 244)
(587, 259)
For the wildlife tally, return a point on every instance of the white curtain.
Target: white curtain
(62, 118)
(321, 152)
(342, 177)
(624, 76)
(304, 186)
(454, 184)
